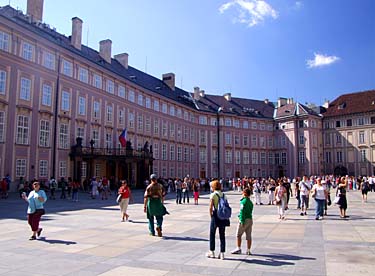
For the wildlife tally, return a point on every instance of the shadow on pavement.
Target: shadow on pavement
(284, 257)
(183, 239)
(272, 259)
(56, 241)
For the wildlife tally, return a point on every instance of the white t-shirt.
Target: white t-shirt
(304, 187)
(319, 191)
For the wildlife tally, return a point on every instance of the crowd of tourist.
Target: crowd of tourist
(324, 190)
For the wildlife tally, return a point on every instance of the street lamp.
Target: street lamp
(220, 109)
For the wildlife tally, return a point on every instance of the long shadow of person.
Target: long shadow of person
(57, 241)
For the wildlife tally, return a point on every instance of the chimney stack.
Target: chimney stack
(123, 59)
(76, 39)
(105, 50)
(169, 79)
(228, 96)
(35, 10)
(281, 102)
(196, 93)
(326, 104)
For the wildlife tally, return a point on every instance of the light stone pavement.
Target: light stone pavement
(87, 238)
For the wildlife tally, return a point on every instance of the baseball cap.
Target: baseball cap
(153, 176)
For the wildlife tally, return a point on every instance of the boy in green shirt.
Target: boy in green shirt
(245, 224)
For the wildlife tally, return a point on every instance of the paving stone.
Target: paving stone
(87, 238)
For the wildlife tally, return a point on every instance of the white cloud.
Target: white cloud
(251, 12)
(321, 60)
(298, 5)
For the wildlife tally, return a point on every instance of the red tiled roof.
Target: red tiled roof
(358, 102)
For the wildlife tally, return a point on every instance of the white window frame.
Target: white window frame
(97, 81)
(2, 126)
(131, 96)
(49, 60)
(25, 89)
(96, 109)
(43, 168)
(64, 136)
(21, 167)
(83, 75)
(110, 87)
(67, 68)
(27, 51)
(62, 169)
(46, 94)
(65, 101)
(3, 82)
(44, 133)
(81, 106)
(22, 130)
(4, 41)
(121, 91)
(109, 113)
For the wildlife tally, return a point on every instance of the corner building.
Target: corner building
(63, 106)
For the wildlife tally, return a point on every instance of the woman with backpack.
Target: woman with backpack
(216, 222)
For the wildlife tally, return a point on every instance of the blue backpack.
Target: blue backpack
(224, 211)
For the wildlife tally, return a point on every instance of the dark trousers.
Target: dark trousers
(33, 220)
(213, 227)
(186, 195)
(178, 196)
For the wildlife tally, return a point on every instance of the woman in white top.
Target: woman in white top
(320, 194)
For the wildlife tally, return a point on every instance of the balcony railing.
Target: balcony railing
(116, 152)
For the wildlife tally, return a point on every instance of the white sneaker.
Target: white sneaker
(221, 256)
(210, 254)
(236, 251)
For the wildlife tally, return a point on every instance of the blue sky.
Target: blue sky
(309, 50)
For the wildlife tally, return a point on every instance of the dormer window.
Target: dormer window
(341, 106)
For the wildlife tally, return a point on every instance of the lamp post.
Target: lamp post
(218, 140)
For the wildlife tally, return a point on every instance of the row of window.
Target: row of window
(43, 169)
(362, 138)
(360, 121)
(362, 156)
(45, 130)
(229, 122)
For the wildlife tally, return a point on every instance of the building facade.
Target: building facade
(349, 134)
(63, 106)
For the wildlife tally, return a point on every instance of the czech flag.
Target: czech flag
(122, 138)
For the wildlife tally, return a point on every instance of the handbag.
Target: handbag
(336, 200)
(119, 198)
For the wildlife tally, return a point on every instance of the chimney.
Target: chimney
(228, 96)
(266, 101)
(169, 79)
(196, 93)
(105, 50)
(281, 102)
(201, 93)
(35, 10)
(123, 59)
(76, 39)
(326, 104)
